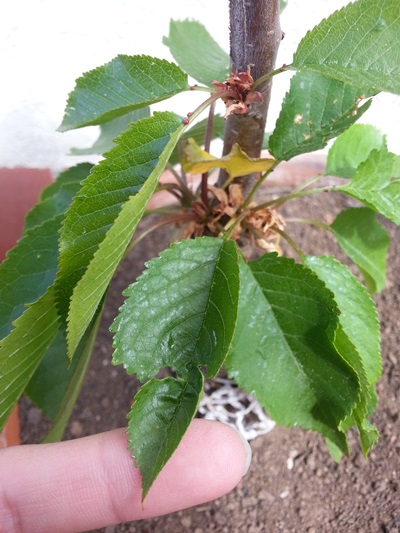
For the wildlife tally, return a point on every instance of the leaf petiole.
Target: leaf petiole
(309, 221)
(258, 185)
(203, 106)
(169, 220)
(201, 88)
(230, 227)
(299, 194)
(270, 75)
(309, 182)
(291, 243)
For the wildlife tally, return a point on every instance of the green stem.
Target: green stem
(201, 88)
(258, 185)
(316, 223)
(203, 106)
(170, 220)
(299, 194)
(230, 227)
(291, 243)
(308, 183)
(269, 75)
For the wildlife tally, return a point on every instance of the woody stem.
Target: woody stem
(254, 39)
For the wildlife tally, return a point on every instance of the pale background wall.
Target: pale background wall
(46, 44)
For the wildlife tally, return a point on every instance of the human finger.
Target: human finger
(92, 482)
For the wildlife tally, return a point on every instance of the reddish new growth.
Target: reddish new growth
(236, 93)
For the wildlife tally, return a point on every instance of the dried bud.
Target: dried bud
(236, 93)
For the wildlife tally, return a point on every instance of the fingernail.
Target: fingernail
(248, 452)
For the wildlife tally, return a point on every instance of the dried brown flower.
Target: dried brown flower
(236, 93)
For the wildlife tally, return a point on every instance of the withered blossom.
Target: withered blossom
(236, 93)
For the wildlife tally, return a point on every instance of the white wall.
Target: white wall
(46, 44)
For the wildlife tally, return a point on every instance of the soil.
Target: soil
(293, 484)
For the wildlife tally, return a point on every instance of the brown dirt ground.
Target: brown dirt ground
(316, 495)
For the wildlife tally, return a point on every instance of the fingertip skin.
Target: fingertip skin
(93, 482)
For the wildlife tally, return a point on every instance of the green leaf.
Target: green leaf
(31, 266)
(367, 432)
(357, 339)
(112, 182)
(368, 435)
(57, 197)
(70, 386)
(27, 272)
(283, 349)
(351, 148)
(110, 130)
(159, 417)
(181, 311)
(120, 86)
(335, 452)
(196, 52)
(198, 132)
(396, 167)
(282, 4)
(48, 384)
(315, 109)
(366, 242)
(236, 163)
(101, 222)
(358, 316)
(350, 353)
(373, 186)
(22, 350)
(357, 45)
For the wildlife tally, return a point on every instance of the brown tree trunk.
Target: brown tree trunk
(255, 35)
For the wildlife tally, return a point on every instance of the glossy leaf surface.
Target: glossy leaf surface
(366, 242)
(159, 417)
(22, 350)
(372, 184)
(106, 214)
(124, 84)
(283, 349)
(106, 189)
(357, 45)
(357, 339)
(182, 310)
(358, 417)
(315, 109)
(358, 316)
(30, 268)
